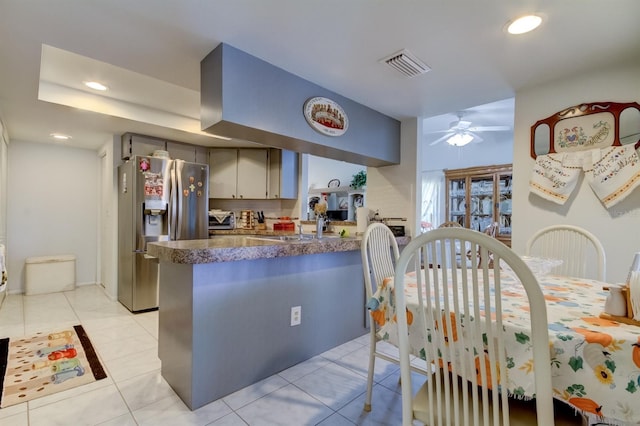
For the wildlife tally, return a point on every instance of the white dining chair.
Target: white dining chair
(379, 250)
(456, 321)
(581, 252)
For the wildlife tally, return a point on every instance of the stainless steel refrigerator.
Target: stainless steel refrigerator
(159, 200)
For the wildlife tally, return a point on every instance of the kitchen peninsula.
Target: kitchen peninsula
(225, 308)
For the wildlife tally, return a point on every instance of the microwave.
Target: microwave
(221, 219)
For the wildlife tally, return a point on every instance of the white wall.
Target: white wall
(444, 156)
(107, 275)
(4, 167)
(53, 197)
(618, 228)
(392, 189)
(321, 170)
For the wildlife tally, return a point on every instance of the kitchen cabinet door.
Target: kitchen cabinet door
(283, 174)
(223, 173)
(202, 155)
(182, 151)
(133, 145)
(252, 174)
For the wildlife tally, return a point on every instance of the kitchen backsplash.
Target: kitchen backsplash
(272, 208)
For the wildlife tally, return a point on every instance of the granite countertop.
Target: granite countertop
(229, 248)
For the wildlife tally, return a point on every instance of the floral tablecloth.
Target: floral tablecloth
(595, 362)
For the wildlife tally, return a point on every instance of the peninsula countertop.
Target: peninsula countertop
(229, 248)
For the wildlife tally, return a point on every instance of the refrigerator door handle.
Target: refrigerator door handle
(172, 205)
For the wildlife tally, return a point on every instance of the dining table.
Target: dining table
(595, 362)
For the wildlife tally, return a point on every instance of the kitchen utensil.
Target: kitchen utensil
(246, 219)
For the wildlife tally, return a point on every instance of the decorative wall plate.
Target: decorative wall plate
(325, 116)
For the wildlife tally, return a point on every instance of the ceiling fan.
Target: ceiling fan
(461, 132)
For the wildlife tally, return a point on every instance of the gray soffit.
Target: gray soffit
(244, 97)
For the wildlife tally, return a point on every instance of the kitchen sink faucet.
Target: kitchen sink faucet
(319, 226)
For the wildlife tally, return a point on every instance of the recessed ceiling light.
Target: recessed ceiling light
(60, 136)
(524, 24)
(95, 85)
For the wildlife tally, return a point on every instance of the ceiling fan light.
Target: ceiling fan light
(524, 24)
(460, 139)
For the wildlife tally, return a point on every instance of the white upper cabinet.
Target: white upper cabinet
(252, 173)
(223, 173)
(238, 173)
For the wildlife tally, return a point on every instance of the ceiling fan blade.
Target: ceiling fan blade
(438, 131)
(441, 139)
(476, 137)
(460, 125)
(488, 128)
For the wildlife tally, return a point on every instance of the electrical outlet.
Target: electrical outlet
(296, 315)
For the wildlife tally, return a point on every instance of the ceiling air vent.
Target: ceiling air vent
(407, 63)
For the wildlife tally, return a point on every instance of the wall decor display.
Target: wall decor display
(325, 116)
(587, 126)
(599, 139)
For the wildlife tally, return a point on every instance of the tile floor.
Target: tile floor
(328, 389)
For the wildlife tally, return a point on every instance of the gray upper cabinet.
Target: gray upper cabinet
(283, 174)
(202, 155)
(133, 145)
(182, 151)
(238, 173)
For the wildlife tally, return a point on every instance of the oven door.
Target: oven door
(222, 222)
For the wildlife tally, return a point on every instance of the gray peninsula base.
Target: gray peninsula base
(226, 325)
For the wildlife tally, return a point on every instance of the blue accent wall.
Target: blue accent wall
(244, 97)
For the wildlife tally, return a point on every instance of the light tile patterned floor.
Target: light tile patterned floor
(328, 389)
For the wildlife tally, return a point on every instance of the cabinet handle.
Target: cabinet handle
(241, 196)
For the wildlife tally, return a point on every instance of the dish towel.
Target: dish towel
(555, 175)
(614, 173)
